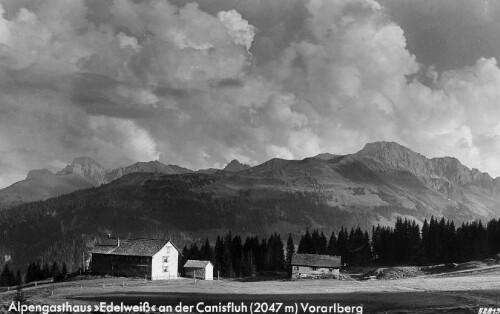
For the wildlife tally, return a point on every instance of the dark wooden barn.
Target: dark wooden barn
(315, 266)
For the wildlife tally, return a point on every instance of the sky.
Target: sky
(199, 83)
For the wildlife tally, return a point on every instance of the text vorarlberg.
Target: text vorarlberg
(200, 307)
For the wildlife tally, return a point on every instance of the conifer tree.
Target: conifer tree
(45, 271)
(342, 244)
(206, 251)
(194, 252)
(227, 265)
(290, 250)
(64, 271)
(19, 278)
(237, 255)
(322, 244)
(332, 248)
(262, 261)
(218, 255)
(55, 271)
(183, 258)
(305, 245)
(275, 248)
(7, 278)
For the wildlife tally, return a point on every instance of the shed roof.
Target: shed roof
(133, 247)
(316, 260)
(196, 263)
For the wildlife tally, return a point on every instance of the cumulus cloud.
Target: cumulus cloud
(238, 28)
(123, 81)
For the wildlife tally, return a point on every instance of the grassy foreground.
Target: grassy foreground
(460, 292)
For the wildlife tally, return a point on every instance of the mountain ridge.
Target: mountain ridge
(400, 157)
(370, 187)
(82, 173)
(440, 173)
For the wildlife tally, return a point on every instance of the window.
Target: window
(165, 269)
(296, 267)
(168, 249)
(165, 259)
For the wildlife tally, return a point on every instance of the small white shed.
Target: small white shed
(199, 269)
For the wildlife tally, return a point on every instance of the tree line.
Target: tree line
(437, 241)
(232, 257)
(34, 272)
(406, 243)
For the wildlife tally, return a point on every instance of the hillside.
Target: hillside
(82, 173)
(372, 186)
(151, 167)
(40, 185)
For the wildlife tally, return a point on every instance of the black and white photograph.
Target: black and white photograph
(250, 156)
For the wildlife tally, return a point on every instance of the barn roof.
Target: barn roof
(316, 260)
(196, 264)
(133, 247)
(109, 242)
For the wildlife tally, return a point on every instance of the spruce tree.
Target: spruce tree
(237, 255)
(194, 252)
(290, 250)
(19, 278)
(305, 244)
(342, 244)
(218, 255)
(5, 277)
(55, 272)
(322, 244)
(183, 258)
(29, 273)
(64, 271)
(332, 248)
(278, 257)
(227, 264)
(206, 251)
(45, 271)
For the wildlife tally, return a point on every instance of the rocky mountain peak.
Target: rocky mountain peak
(87, 168)
(396, 156)
(235, 165)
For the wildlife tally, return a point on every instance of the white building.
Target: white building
(199, 269)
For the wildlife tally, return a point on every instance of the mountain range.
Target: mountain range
(83, 173)
(375, 185)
